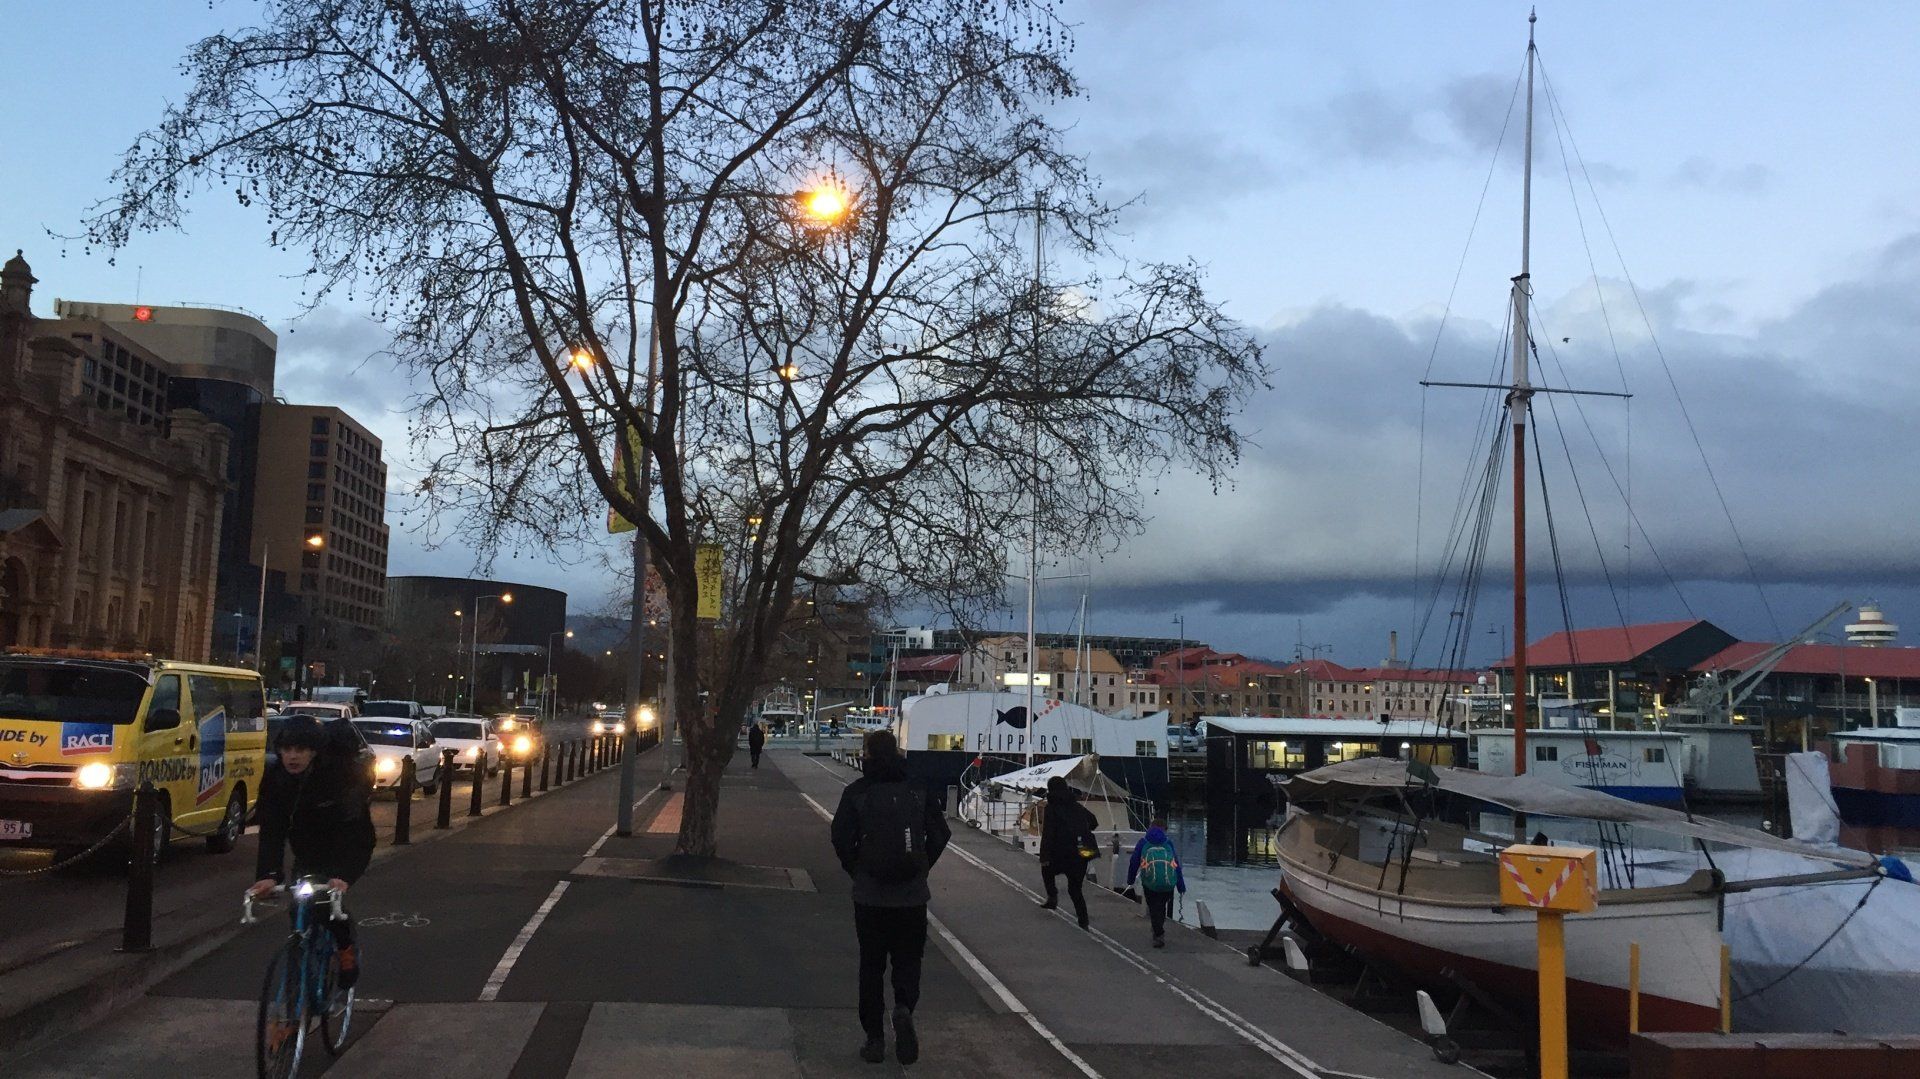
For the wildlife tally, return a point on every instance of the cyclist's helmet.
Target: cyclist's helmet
(304, 732)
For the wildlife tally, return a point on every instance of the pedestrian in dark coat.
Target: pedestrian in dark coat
(756, 742)
(1065, 831)
(887, 832)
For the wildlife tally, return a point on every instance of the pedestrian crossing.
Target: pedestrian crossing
(509, 1039)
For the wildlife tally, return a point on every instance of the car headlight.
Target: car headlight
(506, 724)
(97, 776)
(523, 745)
(473, 752)
(617, 728)
(386, 766)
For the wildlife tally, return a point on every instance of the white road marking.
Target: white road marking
(608, 834)
(505, 967)
(1291, 1058)
(1000, 990)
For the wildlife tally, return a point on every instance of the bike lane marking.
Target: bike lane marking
(505, 967)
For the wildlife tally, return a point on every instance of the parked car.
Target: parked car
(1182, 740)
(473, 741)
(395, 740)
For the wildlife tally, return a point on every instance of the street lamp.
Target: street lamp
(473, 658)
(547, 686)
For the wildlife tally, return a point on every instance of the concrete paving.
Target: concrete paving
(508, 950)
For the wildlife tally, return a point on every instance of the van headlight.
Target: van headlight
(473, 753)
(97, 776)
(386, 766)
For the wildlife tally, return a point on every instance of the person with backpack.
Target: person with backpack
(887, 832)
(1066, 843)
(1156, 865)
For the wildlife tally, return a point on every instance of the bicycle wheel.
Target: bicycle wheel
(281, 1032)
(336, 1009)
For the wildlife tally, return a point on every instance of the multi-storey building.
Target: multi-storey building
(1093, 677)
(110, 494)
(320, 511)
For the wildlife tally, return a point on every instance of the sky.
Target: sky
(1742, 238)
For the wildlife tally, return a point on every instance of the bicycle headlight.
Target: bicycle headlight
(97, 776)
(303, 889)
(386, 766)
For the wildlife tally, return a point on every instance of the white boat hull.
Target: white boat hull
(1496, 949)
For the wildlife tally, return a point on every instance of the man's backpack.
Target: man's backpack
(1159, 870)
(893, 832)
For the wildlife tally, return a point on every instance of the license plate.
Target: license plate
(16, 829)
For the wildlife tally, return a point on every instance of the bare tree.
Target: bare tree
(852, 396)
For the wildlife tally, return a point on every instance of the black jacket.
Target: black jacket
(1066, 826)
(846, 840)
(756, 736)
(322, 814)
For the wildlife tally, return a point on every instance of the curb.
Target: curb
(93, 979)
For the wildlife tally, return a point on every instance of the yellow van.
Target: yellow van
(77, 735)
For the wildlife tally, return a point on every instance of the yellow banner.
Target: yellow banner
(616, 523)
(709, 569)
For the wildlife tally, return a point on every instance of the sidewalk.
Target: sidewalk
(536, 944)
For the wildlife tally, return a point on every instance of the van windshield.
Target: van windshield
(60, 693)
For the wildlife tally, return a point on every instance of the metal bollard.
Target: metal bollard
(573, 759)
(563, 768)
(445, 818)
(526, 778)
(593, 754)
(506, 781)
(479, 777)
(546, 762)
(136, 930)
(403, 805)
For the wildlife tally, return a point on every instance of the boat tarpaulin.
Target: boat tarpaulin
(1524, 794)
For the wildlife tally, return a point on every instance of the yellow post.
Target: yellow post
(1553, 994)
(1633, 988)
(1553, 882)
(1726, 989)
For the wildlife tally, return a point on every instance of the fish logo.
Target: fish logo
(1013, 717)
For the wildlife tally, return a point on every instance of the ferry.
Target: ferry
(944, 733)
(1876, 773)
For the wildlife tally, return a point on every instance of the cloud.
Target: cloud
(340, 358)
(1804, 421)
(1186, 171)
(1750, 178)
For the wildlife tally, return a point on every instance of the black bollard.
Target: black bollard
(445, 819)
(403, 805)
(594, 753)
(546, 762)
(136, 931)
(506, 781)
(526, 779)
(586, 757)
(479, 777)
(571, 751)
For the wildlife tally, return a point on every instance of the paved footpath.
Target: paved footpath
(537, 944)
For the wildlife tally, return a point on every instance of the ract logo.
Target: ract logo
(213, 755)
(80, 739)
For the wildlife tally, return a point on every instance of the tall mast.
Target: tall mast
(1518, 403)
(1033, 493)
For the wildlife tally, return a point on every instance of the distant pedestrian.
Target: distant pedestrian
(1156, 864)
(756, 742)
(1066, 843)
(888, 832)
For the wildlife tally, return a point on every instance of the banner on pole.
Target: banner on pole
(616, 522)
(709, 569)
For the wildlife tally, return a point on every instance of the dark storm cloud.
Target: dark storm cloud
(1806, 424)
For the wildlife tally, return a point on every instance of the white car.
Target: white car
(472, 740)
(608, 723)
(324, 711)
(393, 741)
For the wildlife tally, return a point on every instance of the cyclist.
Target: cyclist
(315, 800)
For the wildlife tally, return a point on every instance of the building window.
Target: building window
(1655, 754)
(316, 448)
(1546, 753)
(1080, 745)
(1146, 749)
(1351, 751)
(81, 602)
(319, 425)
(946, 743)
(1271, 754)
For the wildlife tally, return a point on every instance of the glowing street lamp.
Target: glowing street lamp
(316, 541)
(824, 204)
(580, 359)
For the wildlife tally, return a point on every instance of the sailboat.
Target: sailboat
(1378, 857)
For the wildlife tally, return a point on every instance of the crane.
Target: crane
(1714, 697)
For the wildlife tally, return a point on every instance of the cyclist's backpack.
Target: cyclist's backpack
(1159, 870)
(893, 832)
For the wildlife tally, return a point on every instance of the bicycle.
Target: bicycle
(302, 984)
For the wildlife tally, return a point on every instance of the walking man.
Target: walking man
(1156, 864)
(888, 832)
(756, 741)
(1066, 842)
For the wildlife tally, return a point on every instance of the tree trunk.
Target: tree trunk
(700, 810)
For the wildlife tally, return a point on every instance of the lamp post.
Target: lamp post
(459, 642)
(473, 657)
(547, 686)
(1180, 658)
